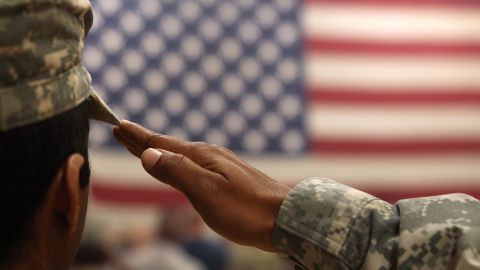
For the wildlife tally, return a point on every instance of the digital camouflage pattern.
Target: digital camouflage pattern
(326, 225)
(41, 72)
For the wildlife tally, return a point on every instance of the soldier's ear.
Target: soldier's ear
(67, 192)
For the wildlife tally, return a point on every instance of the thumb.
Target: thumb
(176, 170)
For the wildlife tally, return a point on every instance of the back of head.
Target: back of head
(46, 100)
(30, 156)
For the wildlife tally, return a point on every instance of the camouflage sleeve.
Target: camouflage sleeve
(326, 225)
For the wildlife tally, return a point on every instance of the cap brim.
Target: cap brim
(99, 110)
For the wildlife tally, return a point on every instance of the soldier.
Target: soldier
(46, 100)
(320, 224)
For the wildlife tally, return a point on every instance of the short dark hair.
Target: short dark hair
(30, 157)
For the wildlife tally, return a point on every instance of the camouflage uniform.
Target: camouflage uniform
(41, 73)
(326, 225)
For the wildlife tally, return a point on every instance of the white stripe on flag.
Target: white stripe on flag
(394, 123)
(391, 72)
(392, 24)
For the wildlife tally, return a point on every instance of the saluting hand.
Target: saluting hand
(235, 199)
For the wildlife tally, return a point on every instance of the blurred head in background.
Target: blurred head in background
(180, 224)
(183, 225)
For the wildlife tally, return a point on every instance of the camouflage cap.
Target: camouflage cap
(41, 72)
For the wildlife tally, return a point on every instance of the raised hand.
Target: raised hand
(235, 199)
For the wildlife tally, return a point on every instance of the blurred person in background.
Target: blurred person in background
(246, 258)
(46, 101)
(214, 254)
(185, 227)
(319, 224)
(166, 251)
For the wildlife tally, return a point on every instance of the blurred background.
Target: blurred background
(382, 95)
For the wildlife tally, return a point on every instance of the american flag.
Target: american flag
(383, 95)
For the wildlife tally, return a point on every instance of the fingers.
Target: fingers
(137, 139)
(133, 134)
(140, 139)
(180, 172)
(122, 140)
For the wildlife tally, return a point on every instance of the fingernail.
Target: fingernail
(150, 157)
(125, 127)
(78, 160)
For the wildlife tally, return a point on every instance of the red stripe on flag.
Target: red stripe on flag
(407, 96)
(332, 146)
(137, 196)
(399, 3)
(142, 196)
(397, 48)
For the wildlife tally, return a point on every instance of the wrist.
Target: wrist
(272, 202)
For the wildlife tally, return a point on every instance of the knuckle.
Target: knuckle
(151, 137)
(178, 160)
(200, 147)
(224, 151)
(210, 184)
(219, 148)
(212, 187)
